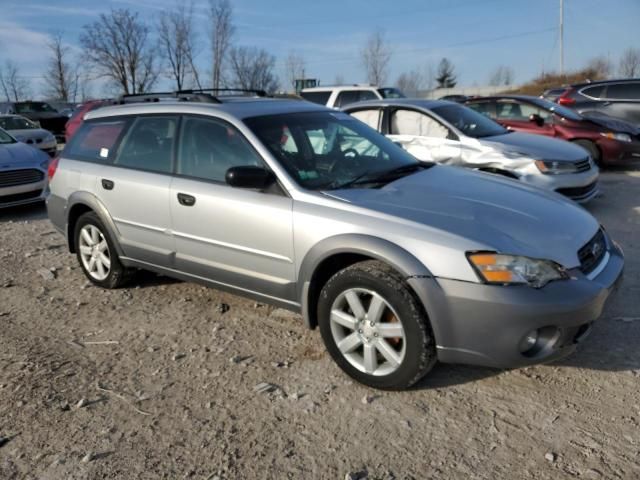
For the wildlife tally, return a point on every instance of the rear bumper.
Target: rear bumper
(485, 324)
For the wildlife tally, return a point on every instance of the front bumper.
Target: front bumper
(23, 194)
(484, 324)
(579, 187)
(615, 152)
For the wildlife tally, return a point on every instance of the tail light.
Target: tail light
(565, 99)
(53, 166)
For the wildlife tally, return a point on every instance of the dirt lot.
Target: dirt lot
(159, 381)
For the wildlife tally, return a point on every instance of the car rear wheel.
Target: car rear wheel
(590, 147)
(375, 328)
(96, 253)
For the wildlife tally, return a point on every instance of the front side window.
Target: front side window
(390, 93)
(95, 141)
(410, 122)
(371, 117)
(332, 148)
(209, 147)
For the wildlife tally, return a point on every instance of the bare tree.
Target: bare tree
(294, 68)
(502, 75)
(222, 30)
(118, 46)
(445, 76)
(376, 56)
(630, 63)
(410, 83)
(253, 68)
(61, 77)
(177, 40)
(601, 67)
(14, 86)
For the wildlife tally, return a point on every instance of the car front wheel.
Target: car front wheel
(375, 328)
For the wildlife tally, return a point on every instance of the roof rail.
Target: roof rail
(181, 96)
(255, 91)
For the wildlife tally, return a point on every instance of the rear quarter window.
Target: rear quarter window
(624, 91)
(593, 92)
(96, 141)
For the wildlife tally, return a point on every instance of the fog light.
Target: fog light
(529, 341)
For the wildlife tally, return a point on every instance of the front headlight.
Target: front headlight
(515, 270)
(621, 137)
(555, 168)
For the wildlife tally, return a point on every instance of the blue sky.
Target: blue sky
(477, 35)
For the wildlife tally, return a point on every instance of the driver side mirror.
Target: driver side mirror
(537, 119)
(247, 176)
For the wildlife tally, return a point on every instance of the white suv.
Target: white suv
(341, 96)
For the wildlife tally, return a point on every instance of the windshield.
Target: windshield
(329, 150)
(33, 107)
(16, 123)
(5, 137)
(557, 109)
(391, 93)
(469, 122)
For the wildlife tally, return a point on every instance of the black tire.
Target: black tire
(592, 148)
(118, 275)
(419, 344)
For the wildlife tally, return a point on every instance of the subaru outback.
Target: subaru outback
(399, 263)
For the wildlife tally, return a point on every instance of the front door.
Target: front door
(525, 117)
(234, 237)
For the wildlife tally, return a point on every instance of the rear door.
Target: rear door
(423, 136)
(135, 188)
(235, 237)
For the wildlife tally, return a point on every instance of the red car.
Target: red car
(609, 141)
(78, 116)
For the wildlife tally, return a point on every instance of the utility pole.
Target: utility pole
(561, 37)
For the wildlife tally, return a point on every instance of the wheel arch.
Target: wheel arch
(335, 253)
(81, 203)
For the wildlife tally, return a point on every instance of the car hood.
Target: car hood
(20, 155)
(536, 146)
(29, 133)
(611, 123)
(495, 213)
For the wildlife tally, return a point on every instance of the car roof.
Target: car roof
(400, 102)
(605, 82)
(239, 108)
(331, 88)
(525, 98)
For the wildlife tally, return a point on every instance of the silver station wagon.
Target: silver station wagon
(399, 263)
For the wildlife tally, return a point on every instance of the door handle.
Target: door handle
(107, 184)
(186, 200)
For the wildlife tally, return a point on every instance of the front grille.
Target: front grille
(583, 165)
(591, 254)
(578, 192)
(13, 178)
(19, 197)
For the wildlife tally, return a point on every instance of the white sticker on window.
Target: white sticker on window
(104, 152)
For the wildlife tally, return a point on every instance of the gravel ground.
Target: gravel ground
(163, 380)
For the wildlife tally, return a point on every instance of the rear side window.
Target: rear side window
(624, 91)
(148, 145)
(95, 141)
(208, 148)
(370, 117)
(409, 122)
(316, 97)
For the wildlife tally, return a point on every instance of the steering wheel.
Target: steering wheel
(350, 161)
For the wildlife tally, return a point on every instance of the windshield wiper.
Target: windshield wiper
(385, 176)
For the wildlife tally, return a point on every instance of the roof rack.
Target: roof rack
(181, 96)
(257, 92)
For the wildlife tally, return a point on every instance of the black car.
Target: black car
(616, 98)
(41, 112)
